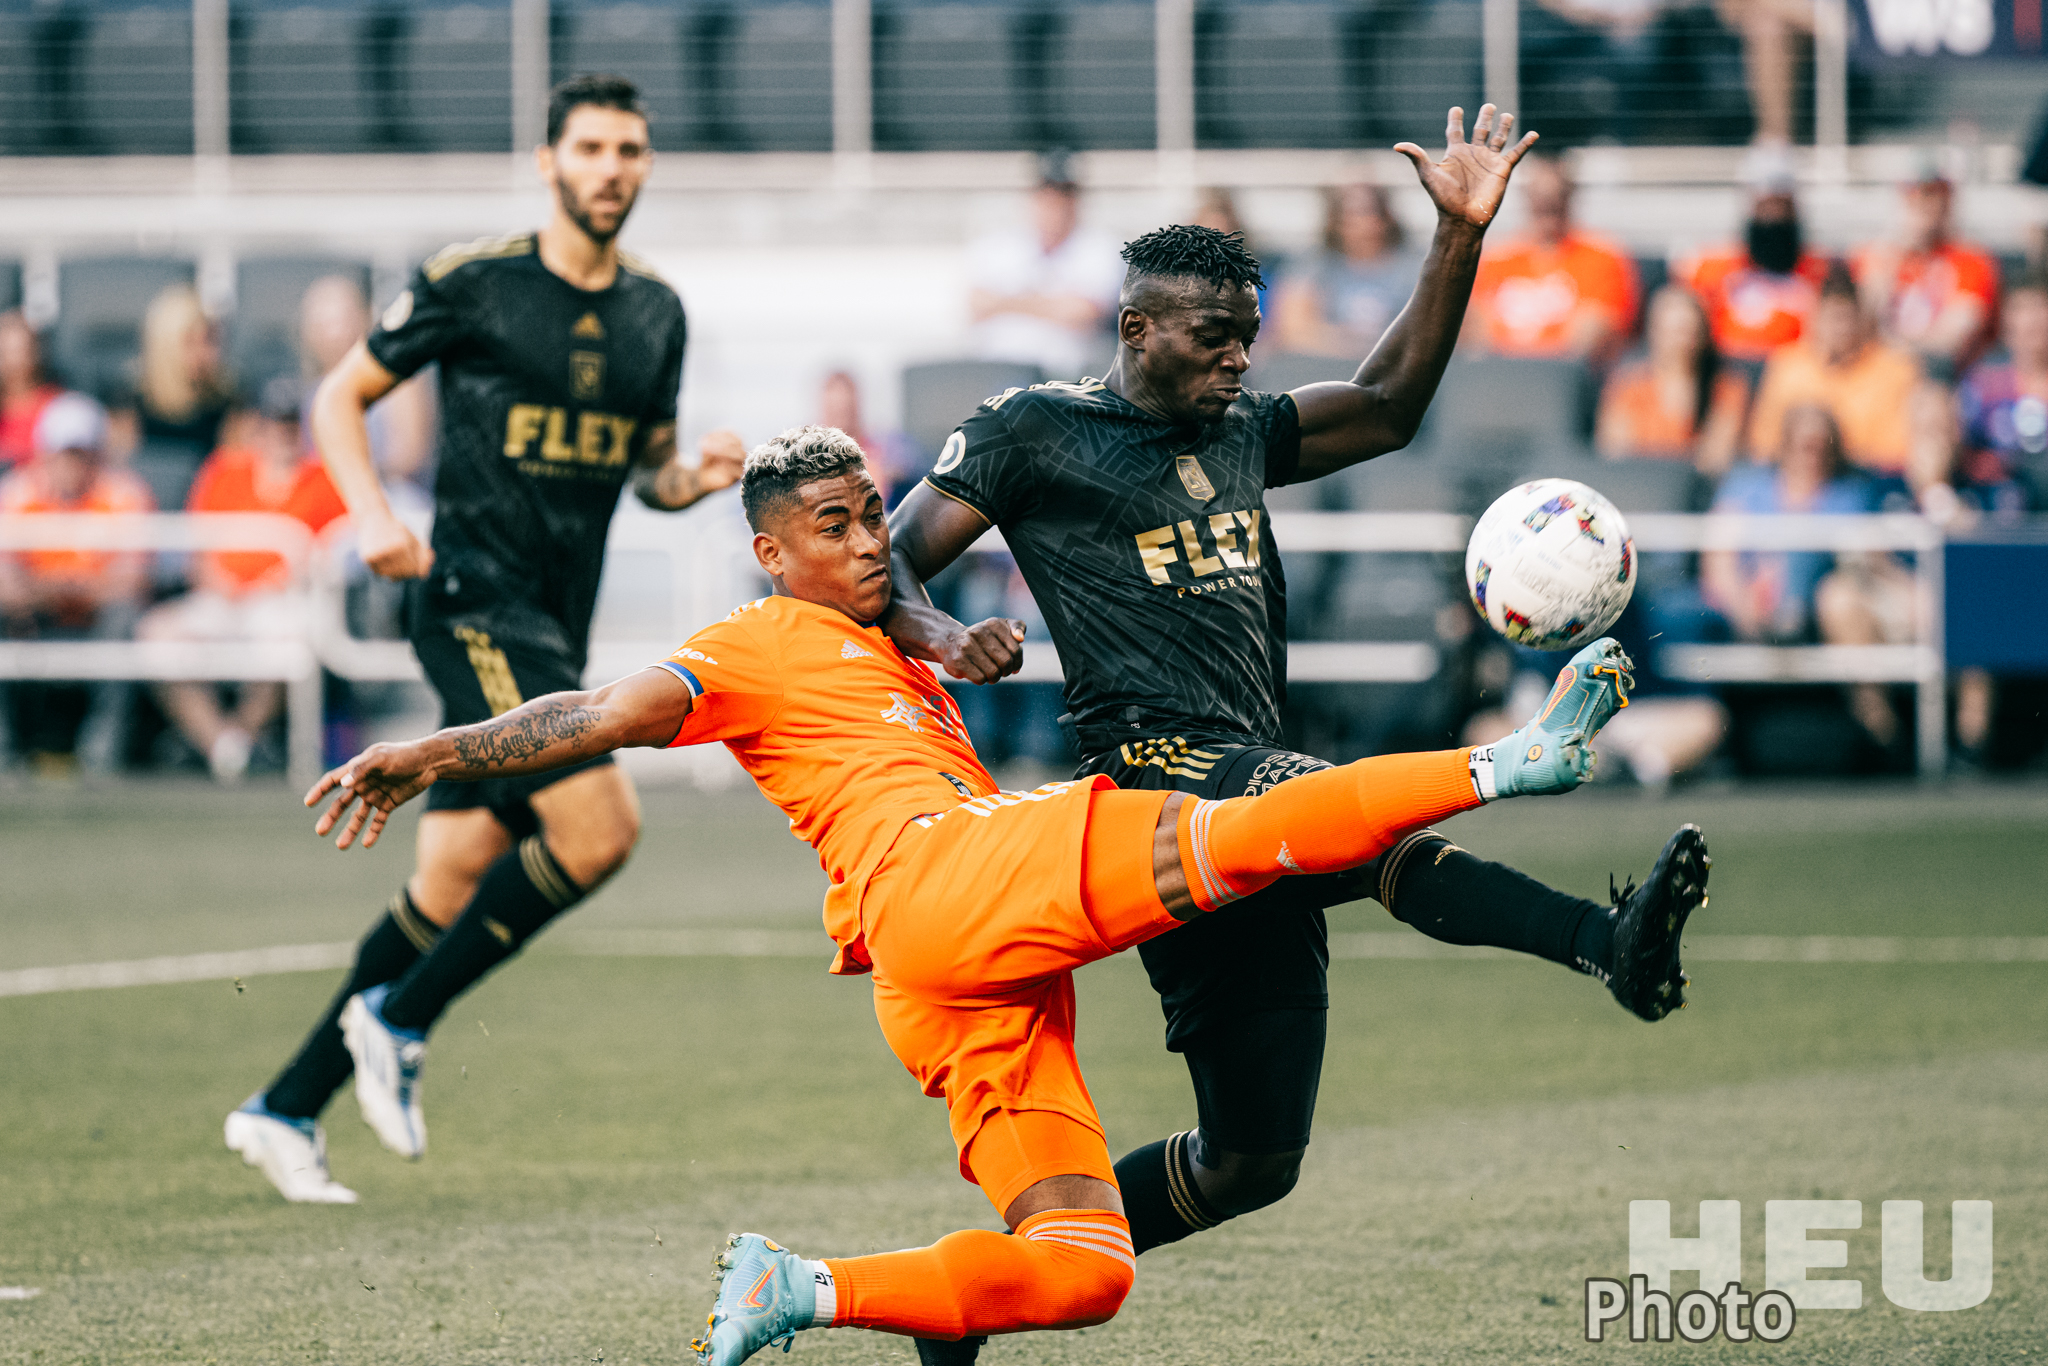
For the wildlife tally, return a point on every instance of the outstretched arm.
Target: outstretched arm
(1381, 407)
(666, 484)
(928, 531)
(646, 708)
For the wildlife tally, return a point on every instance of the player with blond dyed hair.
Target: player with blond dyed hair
(970, 906)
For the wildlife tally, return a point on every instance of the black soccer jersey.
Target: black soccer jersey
(1147, 547)
(548, 394)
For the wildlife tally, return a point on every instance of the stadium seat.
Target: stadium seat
(100, 304)
(300, 83)
(1279, 371)
(1489, 396)
(263, 340)
(1415, 59)
(1401, 482)
(939, 395)
(777, 74)
(457, 76)
(10, 285)
(31, 49)
(1101, 76)
(947, 77)
(1650, 485)
(1276, 74)
(645, 44)
(133, 80)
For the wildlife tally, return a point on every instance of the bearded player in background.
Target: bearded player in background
(560, 364)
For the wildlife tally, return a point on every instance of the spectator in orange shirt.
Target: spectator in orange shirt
(25, 389)
(1866, 384)
(1758, 295)
(1679, 402)
(1554, 291)
(1931, 292)
(70, 594)
(240, 594)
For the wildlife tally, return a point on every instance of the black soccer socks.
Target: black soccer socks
(1448, 894)
(393, 944)
(518, 894)
(1161, 1198)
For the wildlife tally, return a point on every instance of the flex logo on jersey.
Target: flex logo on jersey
(602, 439)
(1208, 548)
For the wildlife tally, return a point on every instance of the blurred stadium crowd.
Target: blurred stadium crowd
(1760, 376)
(1904, 373)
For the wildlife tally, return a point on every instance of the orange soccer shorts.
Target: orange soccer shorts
(975, 922)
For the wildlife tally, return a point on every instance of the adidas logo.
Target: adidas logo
(1287, 860)
(849, 650)
(588, 326)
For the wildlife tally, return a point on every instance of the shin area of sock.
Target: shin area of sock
(1064, 1269)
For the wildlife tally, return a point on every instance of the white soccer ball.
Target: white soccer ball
(1551, 564)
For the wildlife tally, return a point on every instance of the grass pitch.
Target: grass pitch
(599, 1123)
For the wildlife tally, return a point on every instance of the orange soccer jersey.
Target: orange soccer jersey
(838, 727)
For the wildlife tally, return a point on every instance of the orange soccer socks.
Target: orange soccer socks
(1317, 823)
(1065, 1268)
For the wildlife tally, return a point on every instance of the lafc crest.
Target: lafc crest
(1194, 478)
(586, 374)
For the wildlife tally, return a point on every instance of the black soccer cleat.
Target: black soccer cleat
(1649, 920)
(936, 1352)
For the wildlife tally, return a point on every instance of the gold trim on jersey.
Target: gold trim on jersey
(493, 671)
(958, 499)
(1175, 757)
(452, 258)
(640, 266)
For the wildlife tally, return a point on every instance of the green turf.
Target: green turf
(599, 1123)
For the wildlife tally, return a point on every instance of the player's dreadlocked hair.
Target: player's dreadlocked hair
(1194, 253)
(781, 465)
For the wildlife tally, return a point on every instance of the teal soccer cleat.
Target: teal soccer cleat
(765, 1294)
(1550, 754)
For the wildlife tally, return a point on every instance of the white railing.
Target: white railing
(294, 663)
(708, 569)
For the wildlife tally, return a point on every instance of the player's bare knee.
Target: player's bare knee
(593, 853)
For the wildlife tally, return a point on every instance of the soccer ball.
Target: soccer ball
(1551, 564)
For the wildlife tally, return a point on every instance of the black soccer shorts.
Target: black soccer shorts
(480, 674)
(1245, 990)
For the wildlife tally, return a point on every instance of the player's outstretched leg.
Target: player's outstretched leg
(291, 1151)
(1632, 945)
(1550, 754)
(1065, 1268)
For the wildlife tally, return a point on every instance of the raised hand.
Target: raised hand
(722, 457)
(1468, 183)
(376, 782)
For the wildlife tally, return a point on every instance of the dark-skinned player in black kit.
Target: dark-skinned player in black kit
(560, 363)
(1134, 505)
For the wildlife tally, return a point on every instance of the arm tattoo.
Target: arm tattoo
(525, 733)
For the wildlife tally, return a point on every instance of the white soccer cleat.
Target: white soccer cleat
(388, 1063)
(291, 1152)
